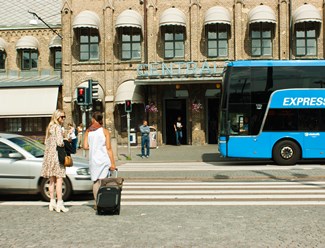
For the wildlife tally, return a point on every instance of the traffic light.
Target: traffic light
(81, 96)
(128, 106)
(94, 86)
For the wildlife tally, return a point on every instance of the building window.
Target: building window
(174, 42)
(33, 125)
(13, 125)
(217, 37)
(57, 58)
(261, 36)
(306, 39)
(24, 125)
(130, 43)
(2, 60)
(89, 44)
(29, 59)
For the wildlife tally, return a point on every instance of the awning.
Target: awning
(27, 42)
(28, 102)
(129, 18)
(3, 44)
(172, 16)
(217, 14)
(261, 13)
(55, 42)
(306, 13)
(128, 91)
(86, 19)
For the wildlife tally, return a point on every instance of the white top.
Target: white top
(71, 134)
(99, 161)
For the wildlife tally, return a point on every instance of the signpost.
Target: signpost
(84, 100)
(128, 109)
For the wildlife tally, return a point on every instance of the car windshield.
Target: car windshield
(32, 146)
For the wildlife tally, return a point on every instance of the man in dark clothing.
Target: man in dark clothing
(145, 139)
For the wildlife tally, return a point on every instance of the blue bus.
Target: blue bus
(273, 109)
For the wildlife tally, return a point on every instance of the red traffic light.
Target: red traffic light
(81, 95)
(81, 91)
(128, 106)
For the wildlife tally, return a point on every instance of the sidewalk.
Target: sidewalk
(204, 163)
(170, 153)
(166, 153)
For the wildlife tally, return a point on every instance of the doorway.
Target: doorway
(212, 123)
(173, 109)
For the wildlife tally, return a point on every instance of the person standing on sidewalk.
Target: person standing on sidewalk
(51, 167)
(101, 159)
(178, 130)
(72, 137)
(80, 129)
(145, 139)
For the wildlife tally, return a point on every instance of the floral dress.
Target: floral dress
(51, 166)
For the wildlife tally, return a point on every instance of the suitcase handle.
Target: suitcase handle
(111, 172)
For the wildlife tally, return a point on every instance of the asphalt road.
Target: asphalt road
(191, 204)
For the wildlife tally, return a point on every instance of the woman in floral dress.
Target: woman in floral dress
(51, 167)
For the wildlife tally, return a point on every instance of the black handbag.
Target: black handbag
(61, 154)
(64, 159)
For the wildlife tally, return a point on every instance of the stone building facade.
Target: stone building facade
(168, 56)
(30, 66)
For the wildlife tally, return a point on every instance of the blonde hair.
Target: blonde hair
(54, 120)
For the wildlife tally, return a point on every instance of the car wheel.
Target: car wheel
(66, 189)
(286, 152)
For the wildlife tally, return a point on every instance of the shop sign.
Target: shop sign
(177, 69)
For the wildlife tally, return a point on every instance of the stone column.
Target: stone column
(284, 30)
(194, 31)
(152, 31)
(238, 30)
(109, 86)
(67, 41)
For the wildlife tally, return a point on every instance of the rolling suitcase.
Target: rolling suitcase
(109, 195)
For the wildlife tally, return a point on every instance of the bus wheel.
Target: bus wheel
(286, 152)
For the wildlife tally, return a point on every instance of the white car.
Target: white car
(20, 169)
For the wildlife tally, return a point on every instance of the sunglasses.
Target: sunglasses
(63, 116)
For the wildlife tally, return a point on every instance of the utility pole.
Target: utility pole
(129, 133)
(83, 109)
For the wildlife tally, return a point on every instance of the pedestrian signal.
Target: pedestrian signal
(81, 95)
(128, 106)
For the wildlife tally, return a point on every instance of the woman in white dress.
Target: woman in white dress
(101, 159)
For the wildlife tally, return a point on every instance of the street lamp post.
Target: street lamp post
(39, 18)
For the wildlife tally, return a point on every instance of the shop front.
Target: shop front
(27, 105)
(176, 90)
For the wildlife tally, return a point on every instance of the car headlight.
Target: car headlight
(83, 171)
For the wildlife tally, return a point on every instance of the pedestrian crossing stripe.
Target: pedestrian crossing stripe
(166, 193)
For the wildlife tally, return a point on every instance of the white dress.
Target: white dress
(99, 162)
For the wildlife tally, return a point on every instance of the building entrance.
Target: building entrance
(173, 109)
(212, 123)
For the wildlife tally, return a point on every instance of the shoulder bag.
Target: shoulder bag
(63, 157)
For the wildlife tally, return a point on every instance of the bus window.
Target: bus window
(281, 120)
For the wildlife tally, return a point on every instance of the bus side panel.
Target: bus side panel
(314, 143)
(261, 146)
